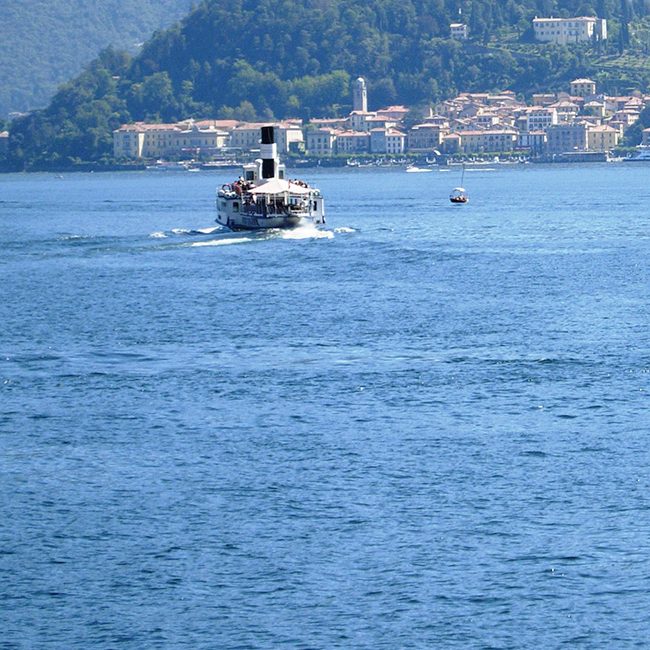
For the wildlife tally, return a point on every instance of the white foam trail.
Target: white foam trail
(306, 232)
(158, 235)
(222, 242)
(344, 230)
(180, 231)
(208, 231)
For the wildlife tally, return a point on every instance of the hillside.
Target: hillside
(279, 58)
(45, 43)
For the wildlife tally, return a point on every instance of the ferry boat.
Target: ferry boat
(262, 198)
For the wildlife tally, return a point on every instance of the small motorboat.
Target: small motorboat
(414, 169)
(459, 195)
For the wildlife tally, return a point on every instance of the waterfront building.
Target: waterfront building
(569, 30)
(424, 137)
(199, 141)
(140, 140)
(602, 138)
(451, 143)
(320, 142)
(4, 142)
(533, 141)
(488, 141)
(387, 140)
(562, 138)
(352, 142)
(395, 141)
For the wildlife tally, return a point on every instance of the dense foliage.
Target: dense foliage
(44, 44)
(278, 58)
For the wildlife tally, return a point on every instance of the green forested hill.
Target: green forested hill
(278, 58)
(45, 42)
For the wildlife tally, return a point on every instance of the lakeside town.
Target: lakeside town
(580, 123)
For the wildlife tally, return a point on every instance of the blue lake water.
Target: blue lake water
(426, 426)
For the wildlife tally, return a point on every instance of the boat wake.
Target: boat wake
(223, 237)
(185, 232)
(224, 241)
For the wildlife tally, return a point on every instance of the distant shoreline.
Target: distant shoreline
(91, 169)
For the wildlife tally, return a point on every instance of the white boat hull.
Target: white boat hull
(236, 215)
(259, 222)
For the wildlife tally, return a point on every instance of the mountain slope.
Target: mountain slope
(46, 42)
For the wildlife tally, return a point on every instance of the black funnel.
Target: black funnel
(268, 136)
(268, 161)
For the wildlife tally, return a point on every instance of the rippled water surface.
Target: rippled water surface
(426, 426)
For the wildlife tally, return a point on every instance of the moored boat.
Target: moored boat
(263, 198)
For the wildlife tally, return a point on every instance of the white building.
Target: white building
(247, 136)
(539, 119)
(142, 140)
(459, 31)
(569, 30)
(583, 88)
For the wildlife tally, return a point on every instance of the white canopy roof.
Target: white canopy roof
(279, 186)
